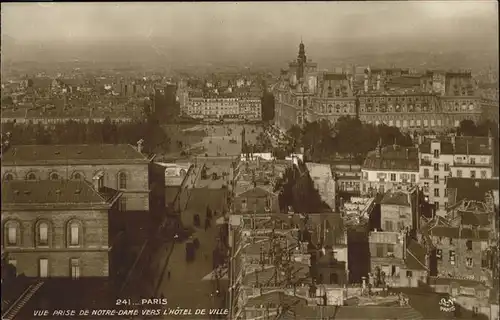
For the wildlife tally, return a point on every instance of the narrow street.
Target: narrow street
(164, 271)
(185, 288)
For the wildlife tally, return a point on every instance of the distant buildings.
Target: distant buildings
(222, 97)
(436, 100)
(224, 107)
(307, 94)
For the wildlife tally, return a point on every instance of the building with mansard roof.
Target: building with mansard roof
(437, 100)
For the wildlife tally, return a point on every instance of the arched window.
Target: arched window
(31, 176)
(42, 234)
(12, 233)
(8, 177)
(54, 176)
(182, 172)
(74, 230)
(77, 176)
(122, 180)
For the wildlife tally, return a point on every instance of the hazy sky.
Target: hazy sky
(243, 22)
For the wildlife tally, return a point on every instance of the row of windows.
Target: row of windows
(337, 109)
(122, 177)
(43, 267)
(397, 108)
(393, 271)
(396, 99)
(484, 174)
(13, 233)
(404, 177)
(412, 123)
(469, 262)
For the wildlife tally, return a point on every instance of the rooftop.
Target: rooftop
(52, 192)
(471, 189)
(460, 233)
(358, 312)
(334, 76)
(64, 293)
(268, 276)
(72, 154)
(392, 158)
(445, 148)
(474, 219)
(415, 258)
(256, 192)
(396, 198)
(472, 145)
(335, 236)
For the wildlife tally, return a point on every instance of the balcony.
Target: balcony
(470, 164)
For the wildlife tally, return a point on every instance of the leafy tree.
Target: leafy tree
(295, 138)
(73, 132)
(467, 128)
(264, 143)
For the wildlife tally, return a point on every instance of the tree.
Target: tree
(294, 134)
(349, 136)
(264, 143)
(467, 128)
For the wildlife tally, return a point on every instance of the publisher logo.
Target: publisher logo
(447, 304)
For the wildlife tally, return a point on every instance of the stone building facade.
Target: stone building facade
(433, 101)
(57, 228)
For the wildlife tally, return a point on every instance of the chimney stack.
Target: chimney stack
(378, 150)
(378, 82)
(366, 83)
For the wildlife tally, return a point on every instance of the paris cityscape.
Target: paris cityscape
(250, 161)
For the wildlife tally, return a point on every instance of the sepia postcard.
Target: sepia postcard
(250, 160)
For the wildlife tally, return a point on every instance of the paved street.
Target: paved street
(164, 271)
(186, 288)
